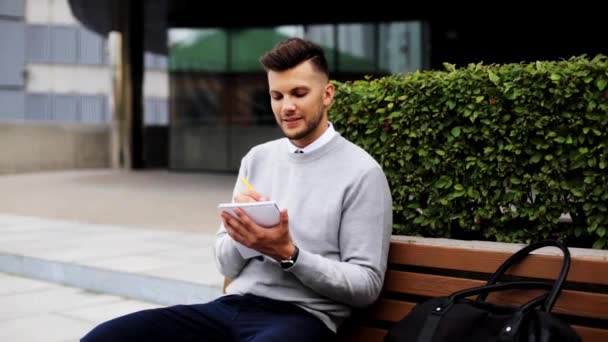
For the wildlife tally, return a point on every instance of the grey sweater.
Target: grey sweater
(340, 216)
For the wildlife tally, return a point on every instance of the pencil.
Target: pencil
(247, 184)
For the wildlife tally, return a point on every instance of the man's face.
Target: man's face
(300, 98)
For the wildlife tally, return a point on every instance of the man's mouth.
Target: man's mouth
(292, 121)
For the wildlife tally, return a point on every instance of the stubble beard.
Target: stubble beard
(310, 126)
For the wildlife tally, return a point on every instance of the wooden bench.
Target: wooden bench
(419, 271)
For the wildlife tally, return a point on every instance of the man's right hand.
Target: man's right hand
(249, 196)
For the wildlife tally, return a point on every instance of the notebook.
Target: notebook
(265, 213)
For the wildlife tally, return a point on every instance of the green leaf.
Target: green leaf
(444, 201)
(458, 187)
(451, 104)
(599, 244)
(601, 231)
(556, 77)
(440, 152)
(601, 84)
(602, 165)
(457, 194)
(493, 77)
(536, 158)
(576, 192)
(589, 179)
(455, 131)
(560, 140)
(515, 180)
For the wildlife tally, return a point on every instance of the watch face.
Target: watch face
(287, 263)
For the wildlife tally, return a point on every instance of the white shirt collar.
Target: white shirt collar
(322, 140)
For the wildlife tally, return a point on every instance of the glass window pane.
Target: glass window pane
(356, 48)
(198, 49)
(247, 46)
(324, 35)
(401, 47)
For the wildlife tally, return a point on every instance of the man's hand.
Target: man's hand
(274, 242)
(249, 196)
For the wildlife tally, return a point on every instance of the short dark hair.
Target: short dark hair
(293, 51)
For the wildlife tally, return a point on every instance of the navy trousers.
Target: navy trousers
(228, 318)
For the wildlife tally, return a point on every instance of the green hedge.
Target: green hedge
(497, 152)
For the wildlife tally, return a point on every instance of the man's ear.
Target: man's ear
(328, 94)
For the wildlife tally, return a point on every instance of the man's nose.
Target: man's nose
(289, 105)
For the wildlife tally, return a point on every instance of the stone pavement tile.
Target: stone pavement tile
(96, 250)
(104, 312)
(187, 255)
(201, 272)
(133, 263)
(46, 327)
(49, 300)
(11, 285)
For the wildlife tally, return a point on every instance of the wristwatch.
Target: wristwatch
(289, 262)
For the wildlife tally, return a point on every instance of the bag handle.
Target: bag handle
(522, 254)
(486, 289)
(432, 321)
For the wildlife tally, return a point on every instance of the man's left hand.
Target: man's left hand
(274, 242)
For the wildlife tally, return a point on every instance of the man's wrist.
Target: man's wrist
(286, 252)
(291, 260)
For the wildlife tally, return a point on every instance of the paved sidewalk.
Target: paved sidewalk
(154, 265)
(36, 311)
(80, 247)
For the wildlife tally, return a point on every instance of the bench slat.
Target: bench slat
(594, 305)
(368, 334)
(590, 334)
(389, 310)
(590, 271)
(363, 334)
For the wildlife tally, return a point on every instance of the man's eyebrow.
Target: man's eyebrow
(292, 90)
(301, 88)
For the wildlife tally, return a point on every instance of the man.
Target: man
(329, 252)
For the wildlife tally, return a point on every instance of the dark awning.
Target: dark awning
(100, 17)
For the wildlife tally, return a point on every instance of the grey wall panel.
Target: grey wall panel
(92, 109)
(149, 60)
(156, 111)
(161, 62)
(12, 53)
(163, 112)
(154, 61)
(149, 111)
(65, 108)
(11, 104)
(12, 8)
(38, 107)
(90, 47)
(38, 43)
(63, 44)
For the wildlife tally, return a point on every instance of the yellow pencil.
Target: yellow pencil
(247, 184)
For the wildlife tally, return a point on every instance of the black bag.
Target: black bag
(455, 318)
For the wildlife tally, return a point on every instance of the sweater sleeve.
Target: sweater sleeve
(228, 259)
(365, 229)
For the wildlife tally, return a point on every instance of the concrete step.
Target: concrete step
(158, 266)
